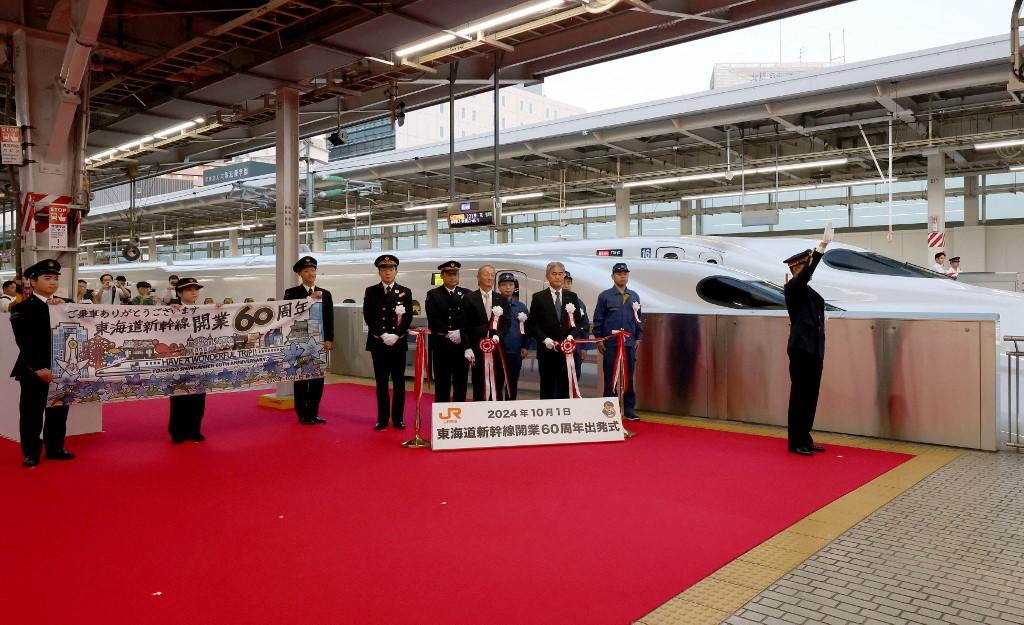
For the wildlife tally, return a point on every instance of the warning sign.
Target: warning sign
(58, 227)
(10, 145)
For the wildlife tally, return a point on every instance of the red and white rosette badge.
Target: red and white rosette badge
(571, 310)
(522, 317)
(496, 312)
(636, 312)
(399, 311)
(568, 347)
(487, 347)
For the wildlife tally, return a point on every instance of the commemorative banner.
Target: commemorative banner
(473, 425)
(120, 353)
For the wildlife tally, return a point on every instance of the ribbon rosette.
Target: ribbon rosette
(496, 312)
(636, 312)
(399, 311)
(488, 346)
(522, 322)
(571, 309)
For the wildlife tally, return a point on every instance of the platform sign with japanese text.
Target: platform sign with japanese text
(58, 229)
(471, 425)
(10, 145)
(119, 353)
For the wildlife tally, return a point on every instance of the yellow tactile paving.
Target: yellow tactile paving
(747, 574)
(718, 594)
(681, 612)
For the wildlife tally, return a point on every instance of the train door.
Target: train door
(670, 252)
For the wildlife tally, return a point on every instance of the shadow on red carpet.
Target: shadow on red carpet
(271, 522)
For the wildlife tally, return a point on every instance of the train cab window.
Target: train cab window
(746, 294)
(671, 256)
(670, 253)
(870, 262)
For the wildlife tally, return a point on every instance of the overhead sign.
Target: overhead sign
(237, 171)
(471, 214)
(10, 145)
(759, 218)
(472, 425)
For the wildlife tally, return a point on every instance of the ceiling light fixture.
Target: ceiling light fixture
(522, 196)
(422, 207)
(805, 187)
(994, 145)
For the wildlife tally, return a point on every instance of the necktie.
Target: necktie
(487, 304)
(309, 292)
(387, 290)
(558, 303)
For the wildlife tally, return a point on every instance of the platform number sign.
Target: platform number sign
(645, 252)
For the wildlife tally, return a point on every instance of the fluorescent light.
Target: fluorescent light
(429, 43)
(805, 187)
(354, 215)
(522, 196)
(426, 206)
(306, 220)
(379, 60)
(403, 223)
(152, 236)
(511, 16)
(556, 209)
(208, 241)
(225, 229)
(687, 178)
(199, 120)
(163, 134)
(92, 243)
(771, 169)
(993, 145)
(1017, 168)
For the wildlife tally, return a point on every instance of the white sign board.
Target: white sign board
(10, 145)
(58, 227)
(472, 425)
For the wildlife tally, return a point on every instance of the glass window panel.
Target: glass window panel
(812, 218)
(903, 212)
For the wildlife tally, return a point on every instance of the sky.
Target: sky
(873, 29)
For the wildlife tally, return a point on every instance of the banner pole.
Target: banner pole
(620, 355)
(417, 441)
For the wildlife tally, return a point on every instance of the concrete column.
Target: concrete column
(432, 228)
(685, 218)
(318, 236)
(232, 243)
(90, 255)
(971, 213)
(152, 249)
(622, 212)
(849, 207)
(387, 238)
(936, 196)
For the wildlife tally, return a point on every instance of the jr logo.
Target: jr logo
(453, 414)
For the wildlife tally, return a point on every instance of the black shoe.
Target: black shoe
(177, 440)
(305, 421)
(318, 421)
(380, 426)
(60, 454)
(816, 447)
(399, 426)
(29, 462)
(631, 416)
(803, 451)
(198, 438)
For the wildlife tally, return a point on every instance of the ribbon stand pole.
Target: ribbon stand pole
(422, 373)
(621, 378)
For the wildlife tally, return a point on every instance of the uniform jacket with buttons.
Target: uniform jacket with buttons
(30, 320)
(614, 310)
(379, 315)
(444, 313)
(806, 312)
(326, 307)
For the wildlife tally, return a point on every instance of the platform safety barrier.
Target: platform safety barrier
(1013, 436)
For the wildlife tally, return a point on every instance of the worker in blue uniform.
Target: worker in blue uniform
(619, 308)
(517, 344)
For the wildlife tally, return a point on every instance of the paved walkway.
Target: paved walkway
(948, 550)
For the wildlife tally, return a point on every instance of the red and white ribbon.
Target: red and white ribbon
(522, 317)
(568, 347)
(636, 312)
(487, 347)
(621, 363)
(571, 309)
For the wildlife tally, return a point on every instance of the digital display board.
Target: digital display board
(609, 252)
(466, 220)
(436, 279)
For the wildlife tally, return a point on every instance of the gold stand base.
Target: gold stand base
(416, 443)
(628, 433)
(273, 401)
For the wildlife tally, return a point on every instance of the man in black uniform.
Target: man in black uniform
(549, 322)
(478, 319)
(186, 410)
(387, 311)
(309, 392)
(30, 320)
(444, 319)
(806, 348)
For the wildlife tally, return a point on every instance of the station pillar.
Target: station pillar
(936, 200)
(232, 243)
(387, 238)
(971, 213)
(432, 228)
(152, 249)
(685, 217)
(971, 240)
(90, 255)
(622, 212)
(318, 236)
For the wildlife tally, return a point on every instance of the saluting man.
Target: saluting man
(478, 318)
(550, 311)
(187, 410)
(309, 392)
(517, 341)
(387, 311)
(444, 319)
(618, 308)
(30, 320)
(806, 348)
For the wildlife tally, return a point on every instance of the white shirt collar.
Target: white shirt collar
(392, 285)
(312, 286)
(41, 298)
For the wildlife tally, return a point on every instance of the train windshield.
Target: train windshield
(746, 294)
(869, 262)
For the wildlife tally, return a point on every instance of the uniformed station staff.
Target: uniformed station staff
(444, 319)
(386, 339)
(30, 320)
(550, 326)
(516, 344)
(308, 393)
(477, 314)
(187, 410)
(619, 308)
(806, 348)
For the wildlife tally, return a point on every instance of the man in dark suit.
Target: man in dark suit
(549, 322)
(444, 306)
(478, 319)
(30, 320)
(806, 348)
(309, 392)
(387, 311)
(187, 410)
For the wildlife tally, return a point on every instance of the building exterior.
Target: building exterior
(732, 74)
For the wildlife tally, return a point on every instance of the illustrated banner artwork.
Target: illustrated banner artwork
(119, 353)
(470, 425)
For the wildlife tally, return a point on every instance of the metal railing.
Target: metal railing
(1013, 436)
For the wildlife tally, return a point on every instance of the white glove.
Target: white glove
(455, 336)
(389, 339)
(470, 356)
(830, 232)
(521, 316)
(550, 344)
(495, 338)
(496, 311)
(400, 310)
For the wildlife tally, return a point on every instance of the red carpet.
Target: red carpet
(270, 522)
